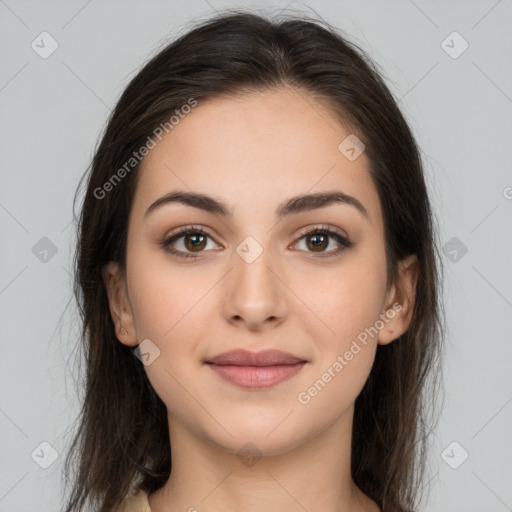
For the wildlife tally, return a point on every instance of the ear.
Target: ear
(120, 309)
(400, 301)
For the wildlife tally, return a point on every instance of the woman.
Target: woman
(258, 280)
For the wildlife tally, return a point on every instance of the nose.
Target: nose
(255, 295)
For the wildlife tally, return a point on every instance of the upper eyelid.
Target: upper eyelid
(322, 227)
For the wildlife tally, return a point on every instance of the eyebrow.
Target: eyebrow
(296, 204)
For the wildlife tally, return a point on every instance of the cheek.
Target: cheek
(348, 305)
(345, 341)
(167, 308)
(342, 304)
(171, 307)
(331, 393)
(164, 297)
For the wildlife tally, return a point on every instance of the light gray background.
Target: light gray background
(54, 109)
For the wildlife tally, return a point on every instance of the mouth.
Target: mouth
(256, 370)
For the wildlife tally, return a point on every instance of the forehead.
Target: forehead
(257, 148)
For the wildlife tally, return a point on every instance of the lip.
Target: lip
(259, 370)
(263, 358)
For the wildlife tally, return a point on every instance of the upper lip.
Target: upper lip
(246, 358)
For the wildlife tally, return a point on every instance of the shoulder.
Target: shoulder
(138, 502)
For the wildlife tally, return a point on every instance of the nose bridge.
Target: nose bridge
(254, 292)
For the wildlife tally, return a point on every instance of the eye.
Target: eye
(317, 240)
(194, 240)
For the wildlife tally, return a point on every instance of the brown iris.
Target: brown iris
(198, 241)
(318, 245)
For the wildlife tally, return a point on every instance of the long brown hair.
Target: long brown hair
(122, 441)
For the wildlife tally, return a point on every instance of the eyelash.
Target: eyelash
(344, 242)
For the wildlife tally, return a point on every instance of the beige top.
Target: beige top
(136, 503)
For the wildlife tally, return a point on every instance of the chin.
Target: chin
(261, 438)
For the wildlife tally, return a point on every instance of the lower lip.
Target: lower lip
(257, 377)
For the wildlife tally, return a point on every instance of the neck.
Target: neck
(313, 476)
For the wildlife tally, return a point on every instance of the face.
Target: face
(307, 282)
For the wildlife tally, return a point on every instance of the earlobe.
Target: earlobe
(120, 310)
(400, 301)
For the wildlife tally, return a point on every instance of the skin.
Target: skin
(253, 152)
